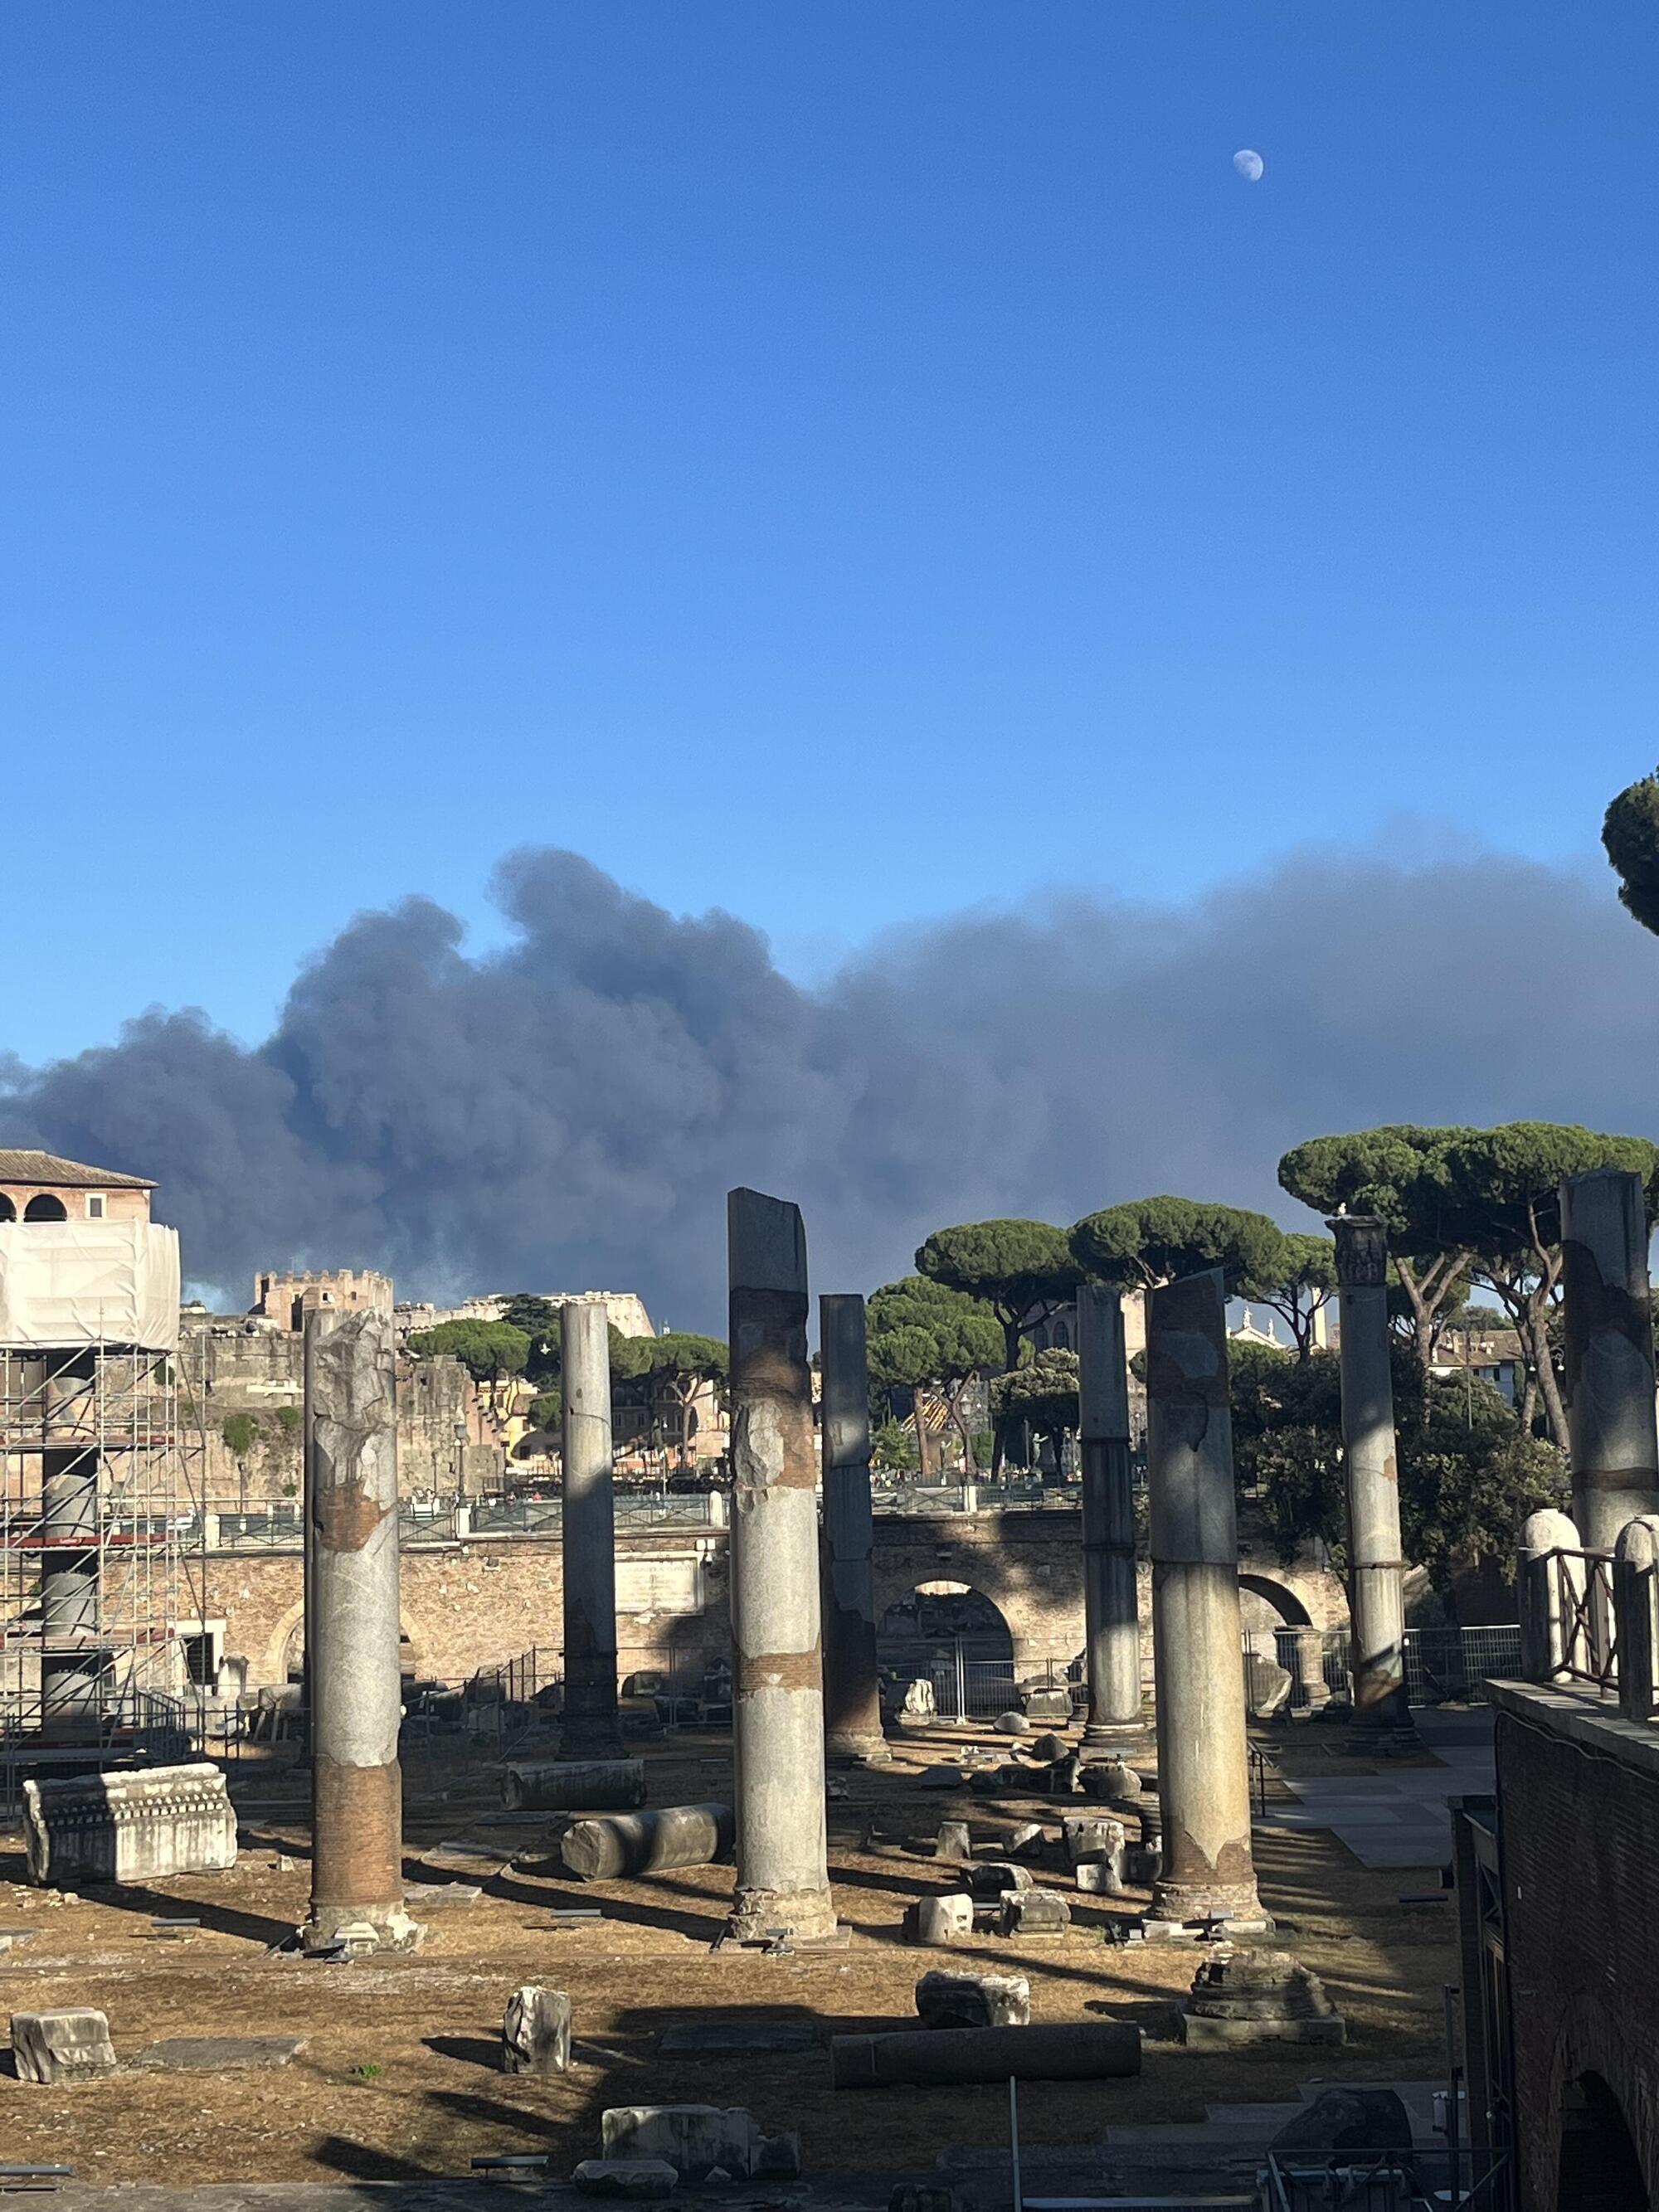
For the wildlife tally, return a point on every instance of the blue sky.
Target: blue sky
(835, 460)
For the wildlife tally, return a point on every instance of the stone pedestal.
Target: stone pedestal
(1258, 1996)
(535, 2032)
(55, 2047)
(129, 1828)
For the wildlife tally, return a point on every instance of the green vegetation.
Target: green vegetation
(1155, 1240)
(288, 1418)
(1631, 835)
(489, 1350)
(923, 1335)
(240, 1432)
(669, 1371)
(1022, 1270)
(893, 1449)
(1043, 1394)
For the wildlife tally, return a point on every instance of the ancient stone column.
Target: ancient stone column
(1111, 1625)
(852, 1694)
(1377, 1602)
(1609, 1347)
(72, 1658)
(1203, 1759)
(777, 1706)
(351, 1505)
(591, 1728)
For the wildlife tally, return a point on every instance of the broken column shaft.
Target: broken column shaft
(1609, 1347)
(1377, 1598)
(852, 1690)
(783, 1879)
(351, 1506)
(1112, 1625)
(591, 1728)
(1203, 1760)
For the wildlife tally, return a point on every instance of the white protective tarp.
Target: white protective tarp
(89, 1282)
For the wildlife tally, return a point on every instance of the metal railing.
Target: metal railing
(1583, 1594)
(1385, 2181)
(135, 1725)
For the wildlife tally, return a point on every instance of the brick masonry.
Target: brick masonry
(1580, 1842)
(472, 1605)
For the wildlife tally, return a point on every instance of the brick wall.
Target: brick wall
(1580, 1841)
(474, 1605)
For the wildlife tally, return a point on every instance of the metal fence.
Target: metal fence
(1443, 1665)
(967, 1689)
(136, 1728)
(1386, 2181)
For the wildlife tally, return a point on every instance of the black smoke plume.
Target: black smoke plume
(569, 1112)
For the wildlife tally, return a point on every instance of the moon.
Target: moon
(1248, 164)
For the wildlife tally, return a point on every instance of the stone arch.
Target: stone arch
(1599, 2170)
(44, 1207)
(8, 1211)
(1277, 1595)
(285, 1657)
(935, 1617)
(1597, 2076)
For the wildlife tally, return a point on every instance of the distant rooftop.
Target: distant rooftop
(48, 1168)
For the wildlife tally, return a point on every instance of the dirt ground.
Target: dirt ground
(399, 2076)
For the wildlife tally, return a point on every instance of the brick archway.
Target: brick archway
(1593, 2040)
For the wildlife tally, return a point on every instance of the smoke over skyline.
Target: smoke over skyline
(569, 1111)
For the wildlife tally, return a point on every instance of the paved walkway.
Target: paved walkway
(1398, 1817)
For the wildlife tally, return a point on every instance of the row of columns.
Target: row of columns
(804, 1630)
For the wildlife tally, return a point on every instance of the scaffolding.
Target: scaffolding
(102, 1455)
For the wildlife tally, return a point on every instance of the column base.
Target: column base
(850, 1749)
(389, 1924)
(1183, 1912)
(808, 1915)
(1104, 1740)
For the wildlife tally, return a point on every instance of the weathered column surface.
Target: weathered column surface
(351, 1506)
(852, 1690)
(777, 1707)
(1203, 1759)
(1548, 1591)
(1376, 1599)
(591, 1728)
(1609, 1347)
(1111, 1622)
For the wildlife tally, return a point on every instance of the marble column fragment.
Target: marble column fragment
(1111, 1622)
(783, 1879)
(591, 1728)
(852, 1689)
(1609, 1347)
(351, 1505)
(1377, 1598)
(1203, 1759)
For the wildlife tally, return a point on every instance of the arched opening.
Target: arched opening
(293, 1655)
(43, 1207)
(8, 1211)
(1266, 1605)
(1600, 2170)
(954, 1637)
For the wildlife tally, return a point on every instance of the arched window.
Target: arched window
(8, 1211)
(43, 1207)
